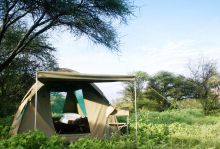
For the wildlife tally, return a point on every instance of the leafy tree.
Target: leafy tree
(81, 17)
(166, 88)
(140, 81)
(201, 73)
(214, 83)
(205, 74)
(17, 78)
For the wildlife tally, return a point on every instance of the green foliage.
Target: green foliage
(55, 142)
(161, 91)
(5, 126)
(113, 143)
(187, 128)
(33, 140)
(153, 134)
(210, 104)
(189, 103)
(17, 78)
(166, 88)
(207, 79)
(187, 116)
(25, 140)
(91, 18)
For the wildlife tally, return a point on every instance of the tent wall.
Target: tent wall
(96, 109)
(95, 103)
(44, 118)
(23, 108)
(96, 118)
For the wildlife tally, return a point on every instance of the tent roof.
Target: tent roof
(75, 76)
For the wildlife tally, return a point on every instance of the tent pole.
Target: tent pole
(127, 124)
(35, 111)
(135, 109)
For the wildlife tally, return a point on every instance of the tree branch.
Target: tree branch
(5, 20)
(34, 26)
(13, 5)
(17, 18)
(23, 43)
(35, 35)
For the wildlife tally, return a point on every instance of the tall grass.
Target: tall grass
(185, 128)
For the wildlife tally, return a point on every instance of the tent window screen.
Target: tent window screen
(57, 100)
(66, 117)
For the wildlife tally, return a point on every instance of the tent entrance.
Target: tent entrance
(65, 112)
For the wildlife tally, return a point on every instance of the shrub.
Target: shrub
(33, 140)
(210, 104)
(189, 103)
(112, 143)
(5, 125)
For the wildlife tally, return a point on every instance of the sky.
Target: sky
(162, 35)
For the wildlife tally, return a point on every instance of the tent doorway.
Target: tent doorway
(65, 115)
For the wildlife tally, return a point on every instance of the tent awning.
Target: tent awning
(74, 76)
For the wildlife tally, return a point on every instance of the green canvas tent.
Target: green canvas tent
(83, 97)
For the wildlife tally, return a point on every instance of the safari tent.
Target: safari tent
(86, 106)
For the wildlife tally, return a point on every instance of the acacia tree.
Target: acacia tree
(205, 74)
(165, 88)
(81, 17)
(19, 76)
(202, 72)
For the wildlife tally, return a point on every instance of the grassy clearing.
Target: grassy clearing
(186, 128)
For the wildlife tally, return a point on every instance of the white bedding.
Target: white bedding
(69, 116)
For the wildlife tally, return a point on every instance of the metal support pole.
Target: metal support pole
(135, 110)
(127, 124)
(127, 131)
(35, 111)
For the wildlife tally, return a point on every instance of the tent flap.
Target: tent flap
(80, 100)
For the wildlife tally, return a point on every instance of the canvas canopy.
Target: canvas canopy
(70, 76)
(34, 111)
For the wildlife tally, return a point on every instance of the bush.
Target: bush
(153, 134)
(94, 143)
(5, 125)
(33, 140)
(189, 103)
(186, 128)
(211, 104)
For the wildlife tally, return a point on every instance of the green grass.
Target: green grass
(186, 128)
(189, 103)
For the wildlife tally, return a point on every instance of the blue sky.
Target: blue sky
(163, 35)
